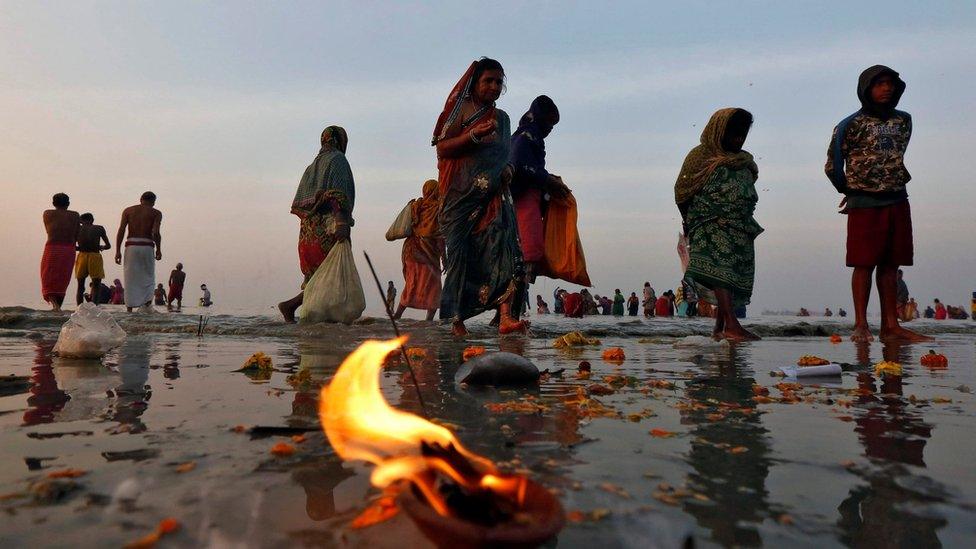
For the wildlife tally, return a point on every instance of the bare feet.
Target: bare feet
(898, 333)
(740, 334)
(508, 325)
(862, 334)
(458, 329)
(287, 312)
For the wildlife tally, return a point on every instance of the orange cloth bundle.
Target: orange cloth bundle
(564, 251)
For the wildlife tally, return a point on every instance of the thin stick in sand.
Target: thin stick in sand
(396, 330)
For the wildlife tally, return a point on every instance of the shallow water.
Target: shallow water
(858, 460)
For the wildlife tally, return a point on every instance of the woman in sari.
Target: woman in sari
(118, 293)
(422, 253)
(716, 195)
(618, 303)
(323, 203)
(484, 262)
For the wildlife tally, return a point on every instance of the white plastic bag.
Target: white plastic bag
(402, 226)
(831, 369)
(334, 293)
(89, 333)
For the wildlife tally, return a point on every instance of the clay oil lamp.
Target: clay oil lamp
(454, 496)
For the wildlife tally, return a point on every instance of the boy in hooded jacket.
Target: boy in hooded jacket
(866, 163)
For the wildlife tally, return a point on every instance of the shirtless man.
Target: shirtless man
(142, 221)
(176, 279)
(58, 259)
(89, 261)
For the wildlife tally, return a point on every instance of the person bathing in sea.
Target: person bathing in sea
(159, 296)
(61, 225)
(89, 261)
(176, 280)
(716, 195)
(866, 163)
(633, 304)
(541, 307)
(205, 300)
(139, 270)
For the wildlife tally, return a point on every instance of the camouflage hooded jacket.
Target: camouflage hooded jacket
(866, 156)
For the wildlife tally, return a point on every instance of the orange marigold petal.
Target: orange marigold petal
(67, 473)
(168, 525)
(282, 449)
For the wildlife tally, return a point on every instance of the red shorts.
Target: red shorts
(880, 236)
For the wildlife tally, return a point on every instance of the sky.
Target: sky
(217, 107)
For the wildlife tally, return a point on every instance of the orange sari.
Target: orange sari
(422, 252)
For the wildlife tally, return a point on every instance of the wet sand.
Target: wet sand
(853, 460)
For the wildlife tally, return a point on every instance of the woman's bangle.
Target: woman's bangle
(474, 138)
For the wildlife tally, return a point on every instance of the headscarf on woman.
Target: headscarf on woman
(329, 171)
(424, 210)
(709, 156)
(326, 195)
(528, 145)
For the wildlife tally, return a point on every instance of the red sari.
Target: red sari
(662, 307)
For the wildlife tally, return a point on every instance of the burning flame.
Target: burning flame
(361, 425)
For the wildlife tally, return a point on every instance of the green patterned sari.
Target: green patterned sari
(721, 234)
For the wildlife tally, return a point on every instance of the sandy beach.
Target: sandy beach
(672, 444)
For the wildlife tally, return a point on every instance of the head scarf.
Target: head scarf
(709, 156)
(452, 107)
(425, 210)
(335, 137)
(540, 118)
(322, 173)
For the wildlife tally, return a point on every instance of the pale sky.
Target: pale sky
(217, 107)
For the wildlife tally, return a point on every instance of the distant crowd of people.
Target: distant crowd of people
(75, 245)
(907, 308)
(682, 302)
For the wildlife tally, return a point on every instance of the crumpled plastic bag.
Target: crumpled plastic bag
(573, 339)
(90, 332)
(334, 293)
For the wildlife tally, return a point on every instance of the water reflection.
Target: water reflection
(171, 364)
(46, 397)
(729, 454)
(320, 477)
(130, 399)
(320, 482)
(884, 511)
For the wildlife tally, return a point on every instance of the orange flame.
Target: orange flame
(361, 425)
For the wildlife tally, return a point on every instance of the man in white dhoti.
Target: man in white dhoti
(139, 267)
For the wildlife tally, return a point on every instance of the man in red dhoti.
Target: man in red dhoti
(58, 260)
